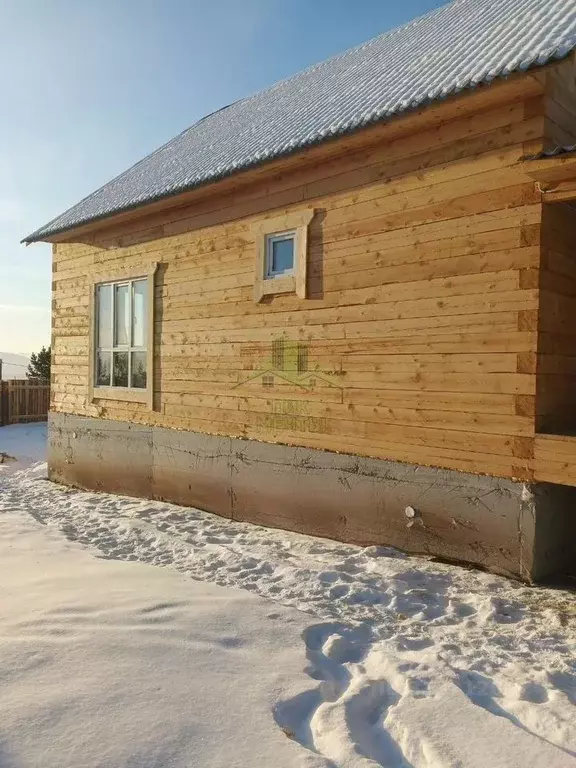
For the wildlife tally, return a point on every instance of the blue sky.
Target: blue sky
(88, 87)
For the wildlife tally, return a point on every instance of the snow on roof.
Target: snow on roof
(456, 47)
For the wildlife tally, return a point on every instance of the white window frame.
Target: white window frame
(294, 224)
(279, 237)
(129, 394)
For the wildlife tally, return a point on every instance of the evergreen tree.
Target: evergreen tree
(39, 367)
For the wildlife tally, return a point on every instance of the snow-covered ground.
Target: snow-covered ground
(254, 647)
(20, 446)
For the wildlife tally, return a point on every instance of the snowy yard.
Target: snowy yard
(257, 648)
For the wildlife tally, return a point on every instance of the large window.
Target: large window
(121, 334)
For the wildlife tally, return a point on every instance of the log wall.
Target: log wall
(555, 440)
(418, 339)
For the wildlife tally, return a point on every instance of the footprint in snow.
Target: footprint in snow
(374, 708)
(343, 718)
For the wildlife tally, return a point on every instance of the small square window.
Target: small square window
(280, 254)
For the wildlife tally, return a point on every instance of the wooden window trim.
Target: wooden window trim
(297, 222)
(124, 394)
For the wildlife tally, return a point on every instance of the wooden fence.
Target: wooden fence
(23, 400)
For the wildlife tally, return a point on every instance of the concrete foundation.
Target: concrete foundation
(525, 531)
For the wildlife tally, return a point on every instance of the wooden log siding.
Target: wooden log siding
(556, 371)
(421, 327)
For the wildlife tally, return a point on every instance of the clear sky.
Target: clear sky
(88, 87)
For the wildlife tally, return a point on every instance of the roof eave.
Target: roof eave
(92, 223)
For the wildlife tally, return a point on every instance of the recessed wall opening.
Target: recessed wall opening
(556, 367)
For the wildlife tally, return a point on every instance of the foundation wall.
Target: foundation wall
(521, 530)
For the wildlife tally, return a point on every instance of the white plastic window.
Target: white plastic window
(121, 331)
(280, 254)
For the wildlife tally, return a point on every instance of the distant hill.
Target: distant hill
(14, 366)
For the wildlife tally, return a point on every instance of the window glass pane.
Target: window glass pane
(104, 314)
(139, 370)
(281, 255)
(103, 360)
(139, 313)
(120, 370)
(121, 315)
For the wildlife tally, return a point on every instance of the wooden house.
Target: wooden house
(345, 305)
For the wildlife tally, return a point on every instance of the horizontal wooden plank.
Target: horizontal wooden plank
(178, 367)
(381, 292)
(469, 403)
(398, 416)
(377, 304)
(555, 459)
(508, 383)
(422, 343)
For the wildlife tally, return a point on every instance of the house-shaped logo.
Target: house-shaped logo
(287, 372)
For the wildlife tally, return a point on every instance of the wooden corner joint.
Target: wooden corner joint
(523, 447)
(526, 362)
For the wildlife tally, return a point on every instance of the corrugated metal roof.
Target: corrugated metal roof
(455, 47)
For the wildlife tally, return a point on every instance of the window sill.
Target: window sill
(271, 286)
(123, 394)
